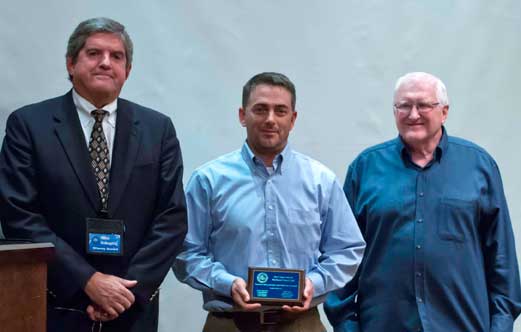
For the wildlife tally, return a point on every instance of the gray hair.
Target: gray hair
(96, 25)
(268, 78)
(441, 90)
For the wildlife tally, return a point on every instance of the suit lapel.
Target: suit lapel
(69, 132)
(126, 146)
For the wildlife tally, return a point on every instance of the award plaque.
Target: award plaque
(276, 287)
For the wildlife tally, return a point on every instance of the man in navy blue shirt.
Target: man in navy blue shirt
(440, 250)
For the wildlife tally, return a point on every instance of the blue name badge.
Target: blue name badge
(101, 243)
(276, 286)
(105, 236)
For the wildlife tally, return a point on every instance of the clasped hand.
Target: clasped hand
(110, 296)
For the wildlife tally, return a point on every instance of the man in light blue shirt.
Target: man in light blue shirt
(266, 205)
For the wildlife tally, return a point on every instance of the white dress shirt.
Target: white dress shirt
(84, 108)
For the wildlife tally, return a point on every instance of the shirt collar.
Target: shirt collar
(85, 107)
(279, 163)
(440, 149)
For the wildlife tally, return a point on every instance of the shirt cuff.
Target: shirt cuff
(501, 323)
(318, 283)
(223, 284)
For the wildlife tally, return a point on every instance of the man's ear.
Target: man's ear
(445, 113)
(70, 65)
(127, 71)
(293, 118)
(242, 116)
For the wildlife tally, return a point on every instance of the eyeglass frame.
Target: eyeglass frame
(422, 108)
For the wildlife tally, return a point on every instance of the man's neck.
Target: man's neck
(266, 157)
(422, 153)
(99, 101)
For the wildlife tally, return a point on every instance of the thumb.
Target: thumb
(128, 283)
(244, 294)
(90, 309)
(241, 285)
(309, 289)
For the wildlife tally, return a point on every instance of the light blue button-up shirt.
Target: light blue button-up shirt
(239, 216)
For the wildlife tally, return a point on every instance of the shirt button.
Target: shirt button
(421, 194)
(420, 220)
(418, 246)
(418, 274)
(273, 262)
(420, 300)
(270, 207)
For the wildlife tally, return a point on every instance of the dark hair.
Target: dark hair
(268, 78)
(96, 25)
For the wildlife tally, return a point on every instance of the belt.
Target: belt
(246, 320)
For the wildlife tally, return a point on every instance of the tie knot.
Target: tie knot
(99, 115)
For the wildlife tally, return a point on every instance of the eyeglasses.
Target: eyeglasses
(406, 108)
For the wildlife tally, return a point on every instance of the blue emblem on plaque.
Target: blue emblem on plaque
(262, 278)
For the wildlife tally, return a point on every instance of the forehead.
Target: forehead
(270, 94)
(103, 40)
(420, 88)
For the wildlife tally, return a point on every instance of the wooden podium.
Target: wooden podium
(23, 284)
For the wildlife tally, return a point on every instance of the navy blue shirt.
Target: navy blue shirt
(440, 252)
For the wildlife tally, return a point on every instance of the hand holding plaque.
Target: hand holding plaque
(241, 297)
(309, 291)
(276, 287)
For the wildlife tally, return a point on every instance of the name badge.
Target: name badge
(105, 236)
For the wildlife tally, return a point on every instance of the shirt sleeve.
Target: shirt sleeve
(341, 245)
(501, 265)
(195, 265)
(341, 306)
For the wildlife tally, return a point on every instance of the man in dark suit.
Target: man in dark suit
(101, 178)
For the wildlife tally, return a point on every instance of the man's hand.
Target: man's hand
(110, 293)
(309, 290)
(97, 314)
(240, 296)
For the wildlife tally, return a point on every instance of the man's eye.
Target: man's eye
(118, 56)
(259, 110)
(423, 107)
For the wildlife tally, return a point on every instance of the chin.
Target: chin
(104, 89)
(268, 146)
(268, 141)
(103, 84)
(414, 137)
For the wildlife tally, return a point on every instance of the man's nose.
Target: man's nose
(270, 117)
(414, 113)
(105, 60)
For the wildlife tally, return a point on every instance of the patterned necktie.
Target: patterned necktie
(99, 155)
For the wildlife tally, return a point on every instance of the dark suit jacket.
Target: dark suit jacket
(47, 189)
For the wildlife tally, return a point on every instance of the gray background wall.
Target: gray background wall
(192, 58)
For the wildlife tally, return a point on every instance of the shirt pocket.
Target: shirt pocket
(457, 217)
(303, 233)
